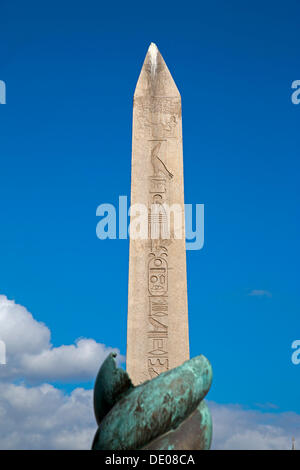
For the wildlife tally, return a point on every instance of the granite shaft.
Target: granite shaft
(157, 326)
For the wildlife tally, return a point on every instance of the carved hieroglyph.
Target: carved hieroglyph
(157, 329)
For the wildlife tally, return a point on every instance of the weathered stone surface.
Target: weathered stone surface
(157, 331)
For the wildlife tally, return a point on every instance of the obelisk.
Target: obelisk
(157, 327)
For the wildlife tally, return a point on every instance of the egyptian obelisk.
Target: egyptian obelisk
(157, 327)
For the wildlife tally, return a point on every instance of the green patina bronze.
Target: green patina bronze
(165, 413)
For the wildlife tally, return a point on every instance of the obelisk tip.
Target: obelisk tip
(150, 81)
(152, 48)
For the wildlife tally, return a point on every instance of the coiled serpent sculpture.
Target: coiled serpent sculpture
(165, 413)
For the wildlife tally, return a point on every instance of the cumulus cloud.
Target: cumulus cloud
(240, 429)
(43, 417)
(31, 356)
(260, 293)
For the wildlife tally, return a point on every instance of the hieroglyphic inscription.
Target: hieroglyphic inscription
(157, 117)
(157, 355)
(157, 325)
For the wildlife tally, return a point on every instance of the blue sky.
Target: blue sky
(65, 147)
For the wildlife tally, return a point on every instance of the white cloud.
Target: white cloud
(76, 362)
(43, 417)
(260, 293)
(30, 355)
(237, 428)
